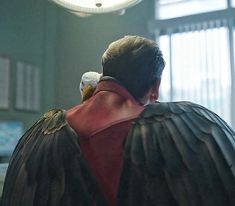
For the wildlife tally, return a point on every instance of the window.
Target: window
(166, 9)
(199, 51)
(198, 69)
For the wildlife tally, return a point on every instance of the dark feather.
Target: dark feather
(47, 168)
(178, 154)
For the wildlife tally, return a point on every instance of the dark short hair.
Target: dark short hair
(134, 61)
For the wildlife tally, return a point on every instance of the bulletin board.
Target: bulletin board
(4, 82)
(28, 93)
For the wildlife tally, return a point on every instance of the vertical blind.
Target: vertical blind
(198, 66)
(175, 8)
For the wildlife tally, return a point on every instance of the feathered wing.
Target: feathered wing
(47, 168)
(178, 154)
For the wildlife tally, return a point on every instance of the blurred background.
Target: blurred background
(45, 48)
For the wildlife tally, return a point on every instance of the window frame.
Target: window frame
(169, 26)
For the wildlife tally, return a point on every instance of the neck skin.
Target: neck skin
(152, 95)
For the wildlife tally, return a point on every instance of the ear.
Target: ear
(155, 89)
(152, 95)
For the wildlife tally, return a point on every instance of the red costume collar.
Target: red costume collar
(112, 85)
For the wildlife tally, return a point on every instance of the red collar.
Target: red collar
(113, 86)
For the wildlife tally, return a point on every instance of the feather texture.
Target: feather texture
(178, 154)
(47, 168)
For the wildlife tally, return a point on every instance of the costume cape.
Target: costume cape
(176, 154)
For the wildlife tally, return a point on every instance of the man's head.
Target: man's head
(136, 62)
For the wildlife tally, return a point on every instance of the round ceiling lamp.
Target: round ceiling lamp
(96, 6)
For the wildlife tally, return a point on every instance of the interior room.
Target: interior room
(45, 47)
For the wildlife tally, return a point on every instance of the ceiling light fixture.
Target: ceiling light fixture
(96, 6)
